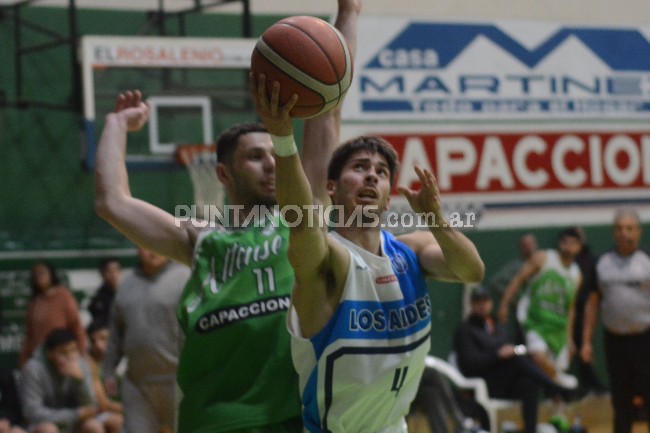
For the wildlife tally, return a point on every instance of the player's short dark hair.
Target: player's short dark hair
(569, 232)
(229, 139)
(103, 263)
(96, 325)
(58, 338)
(365, 142)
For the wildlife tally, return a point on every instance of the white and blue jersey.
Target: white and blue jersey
(360, 373)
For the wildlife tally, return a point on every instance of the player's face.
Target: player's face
(569, 247)
(627, 234)
(364, 181)
(253, 170)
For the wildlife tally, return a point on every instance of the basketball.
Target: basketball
(308, 57)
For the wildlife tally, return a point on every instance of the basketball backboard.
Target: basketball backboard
(196, 87)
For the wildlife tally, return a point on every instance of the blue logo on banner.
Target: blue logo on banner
(621, 50)
(406, 76)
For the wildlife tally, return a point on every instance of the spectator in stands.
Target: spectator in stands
(623, 298)
(499, 282)
(110, 410)
(144, 329)
(56, 388)
(100, 305)
(10, 413)
(587, 264)
(553, 279)
(484, 349)
(51, 306)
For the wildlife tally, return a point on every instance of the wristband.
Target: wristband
(284, 146)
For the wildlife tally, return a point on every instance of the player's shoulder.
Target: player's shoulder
(210, 235)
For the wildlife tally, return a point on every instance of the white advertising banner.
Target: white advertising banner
(523, 123)
(408, 69)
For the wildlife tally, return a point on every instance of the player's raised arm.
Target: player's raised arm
(291, 182)
(444, 252)
(145, 224)
(322, 134)
(316, 260)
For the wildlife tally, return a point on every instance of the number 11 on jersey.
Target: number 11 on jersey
(262, 285)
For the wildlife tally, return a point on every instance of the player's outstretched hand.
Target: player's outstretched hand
(134, 110)
(274, 116)
(427, 198)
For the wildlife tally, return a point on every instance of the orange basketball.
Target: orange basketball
(308, 57)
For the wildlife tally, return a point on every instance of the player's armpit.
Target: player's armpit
(317, 292)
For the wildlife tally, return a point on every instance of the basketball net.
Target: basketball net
(201, 160)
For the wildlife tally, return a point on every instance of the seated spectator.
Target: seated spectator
(483, 349)
(51, 306)
(10, 413)
(57, 390)
(110, 411)
(100, 305)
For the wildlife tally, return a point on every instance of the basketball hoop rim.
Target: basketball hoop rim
(185, 153)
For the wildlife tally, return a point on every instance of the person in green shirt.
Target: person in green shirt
(553, 280)
(235, 368)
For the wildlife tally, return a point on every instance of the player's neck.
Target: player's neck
(368, 238)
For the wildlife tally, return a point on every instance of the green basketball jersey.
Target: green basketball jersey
(235, 368)
(551, 294)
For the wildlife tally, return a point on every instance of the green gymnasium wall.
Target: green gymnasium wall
(46, 197)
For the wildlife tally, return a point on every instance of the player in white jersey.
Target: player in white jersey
(360, 316)
(623, 297)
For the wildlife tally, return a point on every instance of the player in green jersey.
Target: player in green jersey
(553, 279)
(235, 369)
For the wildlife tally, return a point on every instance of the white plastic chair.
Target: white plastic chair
(478, 385)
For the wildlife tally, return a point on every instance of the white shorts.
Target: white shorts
(536, 344)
